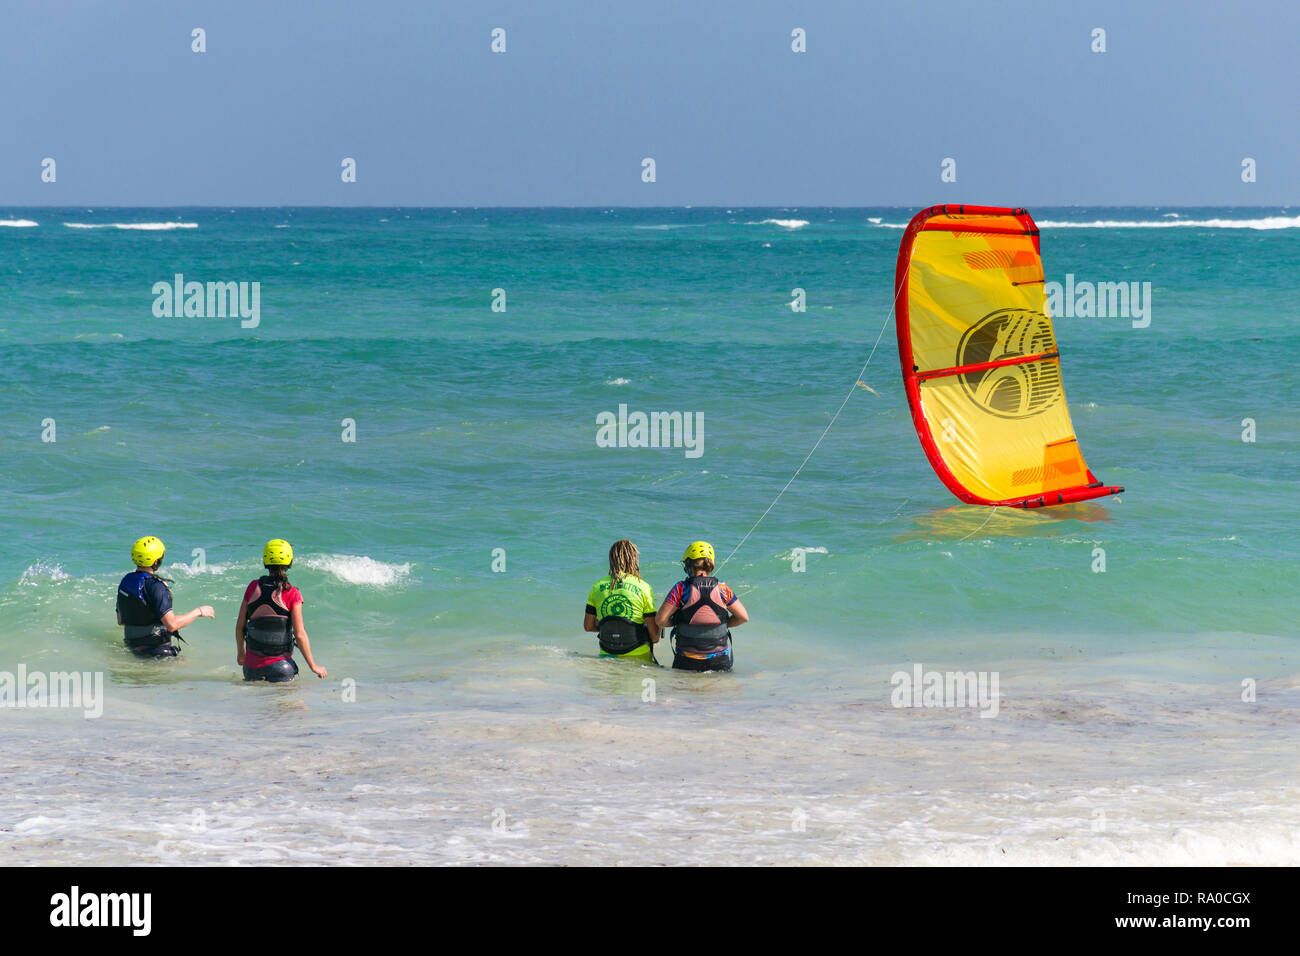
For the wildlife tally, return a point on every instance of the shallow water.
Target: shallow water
(1121, 734)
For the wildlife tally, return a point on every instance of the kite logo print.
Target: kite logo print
(1018, 390)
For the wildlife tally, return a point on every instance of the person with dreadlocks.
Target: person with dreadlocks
(702, 610)
(621, 607)
(270, 622)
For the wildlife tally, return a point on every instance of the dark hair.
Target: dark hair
(696, 564)
(279, 573)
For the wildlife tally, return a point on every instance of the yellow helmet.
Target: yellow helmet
(697, 550)
(147, 551)
(277, 553)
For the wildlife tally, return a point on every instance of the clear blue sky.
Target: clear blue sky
(587, 88)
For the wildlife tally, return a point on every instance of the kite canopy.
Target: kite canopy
(980, 360)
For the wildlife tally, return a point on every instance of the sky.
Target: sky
(711, 90)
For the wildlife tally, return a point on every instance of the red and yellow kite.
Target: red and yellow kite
(980, 360)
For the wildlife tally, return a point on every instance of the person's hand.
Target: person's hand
(319, 671)
(206, 611)
(239, 657)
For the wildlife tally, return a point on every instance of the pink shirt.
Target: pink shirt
(288, 598)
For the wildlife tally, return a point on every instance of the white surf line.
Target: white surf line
(889, 315)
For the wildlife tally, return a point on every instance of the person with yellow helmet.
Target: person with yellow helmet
(620, 607)
(144, 605)
(270, 622)
(702, 610)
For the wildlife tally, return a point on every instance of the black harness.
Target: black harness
(618, 635)
(701, 637)
(141, 627)
(147, 635)
(270, 635)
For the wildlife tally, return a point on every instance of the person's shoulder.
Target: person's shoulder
(603, 584)
(647, 592)
(156, 592)
(292, 596)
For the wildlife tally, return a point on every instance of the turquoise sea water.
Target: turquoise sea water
(477, 691)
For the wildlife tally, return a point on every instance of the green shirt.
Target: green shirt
(633, 599)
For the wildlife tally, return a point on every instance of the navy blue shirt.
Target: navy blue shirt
(143, 593)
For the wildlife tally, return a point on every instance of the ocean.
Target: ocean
(414, 404)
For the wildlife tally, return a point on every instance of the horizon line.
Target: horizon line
(92, 206)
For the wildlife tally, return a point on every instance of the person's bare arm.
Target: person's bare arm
(239, 631)
(665, 613)
(653, 627)
(738, 613)
(300, 637)
(174, 623)
(589, 622)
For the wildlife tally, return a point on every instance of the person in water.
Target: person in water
(144, 605)
(702, 610)
(620, 607)
(270, 622)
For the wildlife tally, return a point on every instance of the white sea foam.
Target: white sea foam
(43, 571)
(619, 381)
(358, 569)
(783, 223)
(1065, 775)
(18, 223)
(38, 825)
(1267, 222)
(144, 226)
(665, 226)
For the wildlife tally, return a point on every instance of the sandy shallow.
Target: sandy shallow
(706, 773)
